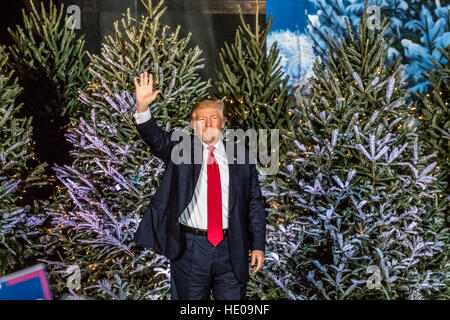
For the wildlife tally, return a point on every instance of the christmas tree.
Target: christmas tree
(110, 183)
(434, 114)
(251, 82)
(47, 52)
(434, 129)
(20, 221)
(418, 27)
(48, 58)
(355, 215)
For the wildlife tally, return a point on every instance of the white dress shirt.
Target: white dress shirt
(196, 213)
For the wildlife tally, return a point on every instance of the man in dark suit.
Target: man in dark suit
(208, 212)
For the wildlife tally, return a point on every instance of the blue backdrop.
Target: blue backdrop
(289, 14)
(290, 20)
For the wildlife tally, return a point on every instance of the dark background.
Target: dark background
(211, 22)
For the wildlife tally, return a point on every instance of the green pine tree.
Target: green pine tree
(251, 82)
(19, 221)
(108, 187)
(48, 58)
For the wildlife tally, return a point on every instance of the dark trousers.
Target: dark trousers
(201, 267)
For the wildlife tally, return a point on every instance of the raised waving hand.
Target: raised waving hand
(144, 91)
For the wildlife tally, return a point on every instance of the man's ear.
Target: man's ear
(193, 125)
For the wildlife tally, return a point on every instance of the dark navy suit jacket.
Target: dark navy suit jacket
(159, 227)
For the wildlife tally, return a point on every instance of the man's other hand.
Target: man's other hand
(257, 256)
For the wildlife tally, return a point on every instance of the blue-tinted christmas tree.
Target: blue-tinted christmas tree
(434, 112)
(108, 187)
(418, 27)
(356, 214)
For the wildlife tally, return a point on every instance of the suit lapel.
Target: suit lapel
(232, 175)
(197, 152)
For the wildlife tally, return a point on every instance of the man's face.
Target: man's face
(208, 123)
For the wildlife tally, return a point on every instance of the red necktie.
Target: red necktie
(215, 233)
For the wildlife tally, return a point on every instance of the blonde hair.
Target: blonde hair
(206, 102)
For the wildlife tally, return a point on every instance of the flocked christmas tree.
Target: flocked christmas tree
(434, 129)
(356, 214)
(20, 221)
(418, 27)
(434, 113)
(109, 186)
